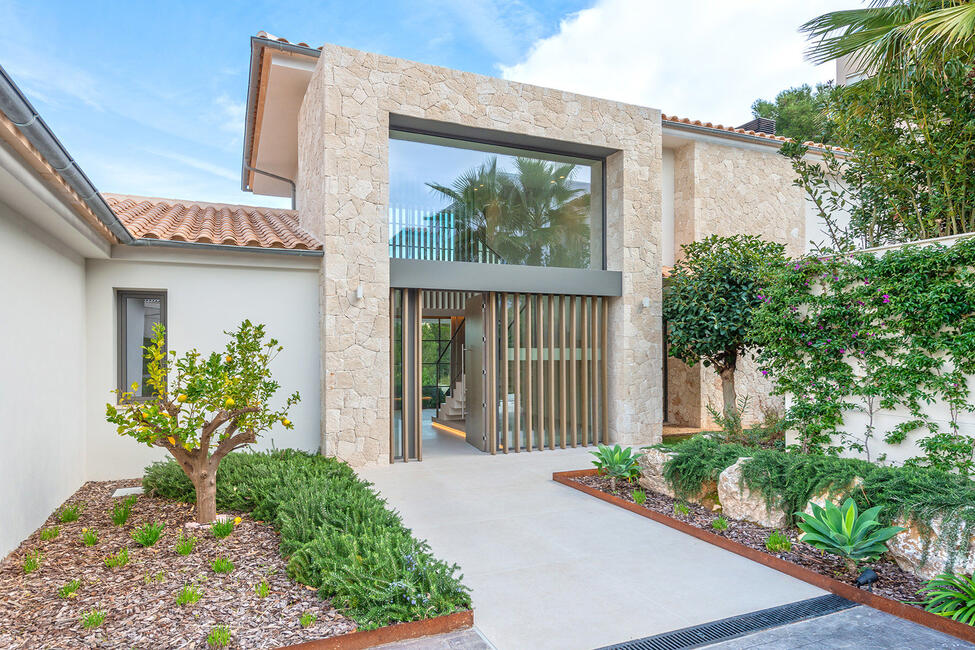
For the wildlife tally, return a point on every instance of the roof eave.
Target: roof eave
(258, 45)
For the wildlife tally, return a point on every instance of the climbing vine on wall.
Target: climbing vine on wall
(871, 332)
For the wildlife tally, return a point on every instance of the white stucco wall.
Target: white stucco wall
(207, 293)
(884, 420)
(42, 360)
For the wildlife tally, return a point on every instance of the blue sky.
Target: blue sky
(149, 97)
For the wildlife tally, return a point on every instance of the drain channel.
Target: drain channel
(736, 626)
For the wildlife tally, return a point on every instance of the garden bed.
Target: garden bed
(340, 568)
(893, 593)
(139, 598)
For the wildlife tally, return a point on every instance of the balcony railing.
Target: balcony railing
(418, 234)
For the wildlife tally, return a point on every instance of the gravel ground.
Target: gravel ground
(893, 583)
(139, 599)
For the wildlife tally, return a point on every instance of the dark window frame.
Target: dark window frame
(121, 295)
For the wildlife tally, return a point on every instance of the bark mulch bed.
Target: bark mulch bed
(893, 582)
(139, 599)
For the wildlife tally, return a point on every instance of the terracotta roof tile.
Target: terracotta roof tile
(730, 129)
(211, 223)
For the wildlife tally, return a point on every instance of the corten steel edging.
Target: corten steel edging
(391, 633)
(850, 592)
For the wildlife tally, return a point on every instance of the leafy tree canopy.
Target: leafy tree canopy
(799, 113)
(710, 298)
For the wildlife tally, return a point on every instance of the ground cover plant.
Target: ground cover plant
(337, 534)
(204, 407)
(139, 596)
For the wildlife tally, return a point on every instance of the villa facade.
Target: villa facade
(546, 288)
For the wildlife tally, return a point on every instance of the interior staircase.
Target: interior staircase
(454, 407)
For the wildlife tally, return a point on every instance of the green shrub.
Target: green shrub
(950, 596)
(185, 545)
(639, 497)
(720, 524)
(70, 513)
(697, 461)
(92, 618)
(148, 534)
(219, 637)
(121, 558)
(70, 589)
(338, 534)
(50, 533)
(307, 619)
(122, 509)
(616, 462)
(32, 561)
(89, 536)
(778, 542)
(681, 510)
(262, 589)
(188, 595)
(845, 532)
(221, 529)
(222, 565)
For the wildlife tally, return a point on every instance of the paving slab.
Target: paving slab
(862, 628)
(551, 567)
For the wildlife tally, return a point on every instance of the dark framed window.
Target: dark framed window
(138, 312)
(436, 361)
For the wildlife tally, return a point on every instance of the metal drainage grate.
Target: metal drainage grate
(736, 626)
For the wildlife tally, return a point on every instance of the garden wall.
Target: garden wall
(938, 413)
(207, 293)
(42, 350)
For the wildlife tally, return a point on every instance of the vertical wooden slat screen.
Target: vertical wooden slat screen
(574, 389)
(529, 429)
(604, 348)
(491, 354)
(552, 386)
(539, 363)
(516, 327)
(562, 327)
(594, 346)
(418, 368)
(504, 372)
(584, 371)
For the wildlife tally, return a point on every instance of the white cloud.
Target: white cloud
(197, 163)
(704, 59)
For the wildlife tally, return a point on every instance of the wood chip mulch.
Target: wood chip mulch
(139, 599)
(893, 583)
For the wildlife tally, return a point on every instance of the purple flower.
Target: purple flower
(764, 373)
(842, 350)
(886, 298)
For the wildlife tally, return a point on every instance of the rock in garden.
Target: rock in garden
(652, 471)
(832, 495)
(928, 551)
(739, 502)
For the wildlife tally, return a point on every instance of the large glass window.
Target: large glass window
(454, 200)
(138, 312)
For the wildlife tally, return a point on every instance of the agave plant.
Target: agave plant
(845, 532)
(616, 462)
(951, 596)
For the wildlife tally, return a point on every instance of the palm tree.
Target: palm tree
(532, 216)
(892, 37)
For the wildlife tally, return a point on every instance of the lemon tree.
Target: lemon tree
(210, 406)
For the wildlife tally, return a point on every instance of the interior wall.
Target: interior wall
(42, 386)
(206, 295)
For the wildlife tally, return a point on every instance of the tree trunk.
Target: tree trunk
(206, 493)
(727, 375)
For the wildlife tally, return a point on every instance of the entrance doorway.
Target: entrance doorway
(507, 372)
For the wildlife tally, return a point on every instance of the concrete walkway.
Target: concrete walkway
(551, 567)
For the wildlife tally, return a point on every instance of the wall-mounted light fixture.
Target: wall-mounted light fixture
(646, 303)
(358, 293)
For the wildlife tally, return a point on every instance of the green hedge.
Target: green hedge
(788, 480)
(339, 536)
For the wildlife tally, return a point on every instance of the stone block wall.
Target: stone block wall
(343, 197)
(728, 189)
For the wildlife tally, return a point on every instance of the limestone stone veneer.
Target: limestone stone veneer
(343, 194)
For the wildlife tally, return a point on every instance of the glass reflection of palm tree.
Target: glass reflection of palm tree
(532, 216)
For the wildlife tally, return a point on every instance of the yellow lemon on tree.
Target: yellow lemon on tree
(286, 422)
(229, 358)
(181, 398)
(237, 520)
(171, 440)
(229, 402)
